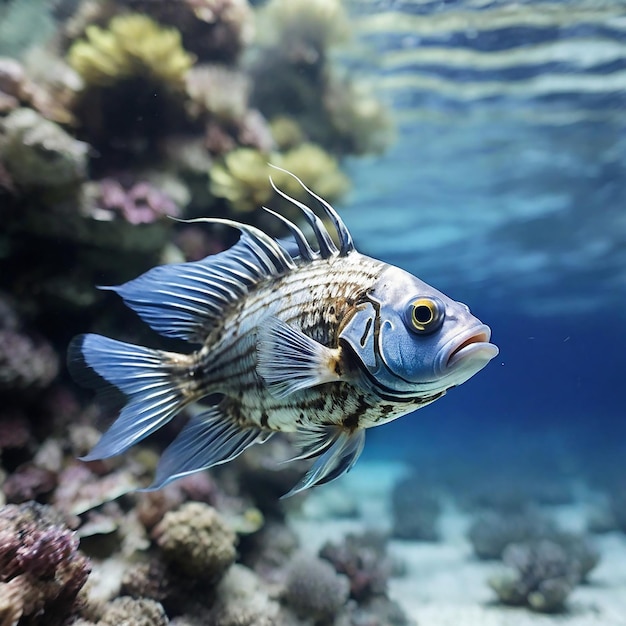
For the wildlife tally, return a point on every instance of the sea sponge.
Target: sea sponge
(38, 153)
(196, 541)
(314, 589)
(132, 45)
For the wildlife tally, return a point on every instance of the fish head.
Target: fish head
(411, 339)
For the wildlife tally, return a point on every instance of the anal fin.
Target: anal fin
(338, 454)
(208, 439)
(289, 360)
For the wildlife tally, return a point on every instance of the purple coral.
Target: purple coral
(362, 558)
(39, 554)
(139, 203)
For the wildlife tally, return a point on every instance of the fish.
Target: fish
(304, 336)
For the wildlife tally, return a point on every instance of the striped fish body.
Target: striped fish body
(322, 342)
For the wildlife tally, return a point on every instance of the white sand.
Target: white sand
(444, 584)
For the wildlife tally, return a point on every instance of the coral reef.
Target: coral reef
(314, 589)
(196, 541)
(41, 569)
(540, 575)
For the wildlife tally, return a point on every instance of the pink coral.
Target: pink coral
(139, 203)
(40, 565)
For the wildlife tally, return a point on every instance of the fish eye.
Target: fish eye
(425, 315)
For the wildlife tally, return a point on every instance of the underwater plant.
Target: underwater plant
(133, 45)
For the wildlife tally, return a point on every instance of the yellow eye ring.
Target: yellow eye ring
(425, 315)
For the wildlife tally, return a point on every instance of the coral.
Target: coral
(242, 176)
(133, 612)
(242, 179)
(358, 122)
(286, 132)
(39, 154)
(196, 541)
(132, 45)
(540, 575)
(218, 90)
(241, 600)
(317, 169)
(140, 203)
(415, 511)
(304, 29)
(214, 30)
(492, 532)
(28, 483)
(362, 558)
(40, 565)
(27, 363)
(314, 589)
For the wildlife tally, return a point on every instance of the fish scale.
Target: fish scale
(321, 342)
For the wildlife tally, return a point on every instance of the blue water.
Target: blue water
(506, 190)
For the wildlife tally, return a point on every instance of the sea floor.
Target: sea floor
(443, 583)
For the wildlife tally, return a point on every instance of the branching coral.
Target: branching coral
(132, 45)
(40, 566)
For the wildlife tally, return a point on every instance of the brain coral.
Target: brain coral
(196, 540)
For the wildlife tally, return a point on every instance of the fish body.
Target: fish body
(318, 341)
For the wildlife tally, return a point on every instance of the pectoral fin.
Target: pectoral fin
(339, 452)
(208, 439)
(289, 360)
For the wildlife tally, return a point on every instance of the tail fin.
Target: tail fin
(151, 380)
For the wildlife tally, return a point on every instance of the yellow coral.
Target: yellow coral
(317, 169)
(242, 179)
(132, 45)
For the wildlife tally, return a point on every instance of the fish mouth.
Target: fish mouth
(469, 353)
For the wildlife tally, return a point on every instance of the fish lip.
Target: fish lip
(470, 346)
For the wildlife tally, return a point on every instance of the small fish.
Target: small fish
(315, 340)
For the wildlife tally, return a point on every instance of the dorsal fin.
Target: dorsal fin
(184, 300)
